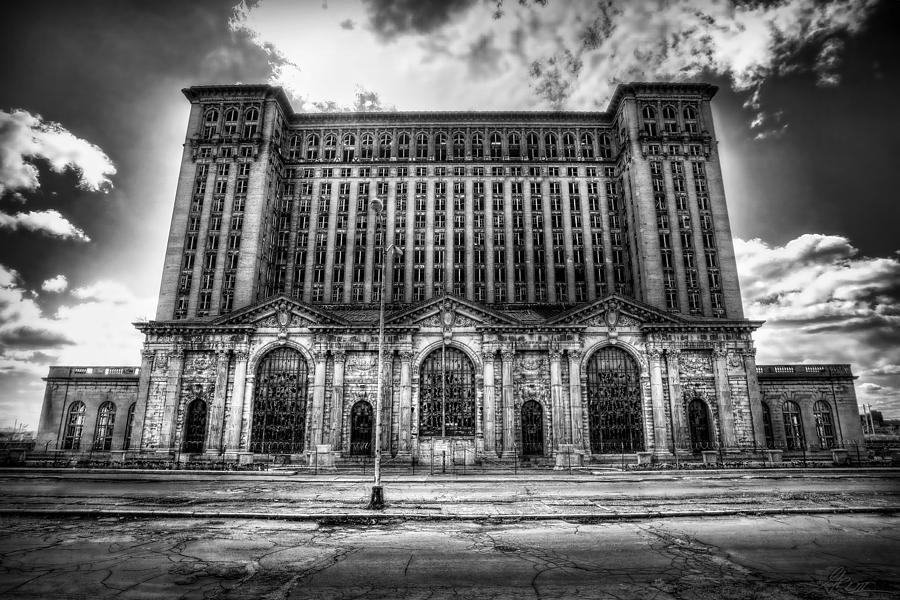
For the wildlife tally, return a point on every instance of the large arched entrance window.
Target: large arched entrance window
(793, 426)
(767, 426)
(106, 418)
(195, 427)
(129, 425)
(74, 427)
(361, 429)
(279, 403)
(698, 418)
(532, 428)
(447, 394)
(824, 424)
(614, 402)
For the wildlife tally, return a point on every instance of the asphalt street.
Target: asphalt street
(795, 557)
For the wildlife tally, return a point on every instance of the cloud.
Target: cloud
(391, 18)
(823, 302)
(48, 222)
(55, 284)
(25, 336)
(26, 138)
(347, 24)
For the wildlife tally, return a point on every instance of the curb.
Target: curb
(412, 516)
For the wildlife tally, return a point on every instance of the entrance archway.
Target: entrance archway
(447, 394)
(698, 418)
(614, 402)
(279, 403)
(532, 429)
(195, 427)
(361, 429)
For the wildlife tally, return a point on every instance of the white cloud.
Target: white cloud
(25, 138)
(49, 222)
(576, 51)
(823, 302)
(56, 284)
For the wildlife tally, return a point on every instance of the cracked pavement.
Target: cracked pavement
(794, 557)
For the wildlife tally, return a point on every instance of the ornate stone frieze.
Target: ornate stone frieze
(694, 364)
(362, 361)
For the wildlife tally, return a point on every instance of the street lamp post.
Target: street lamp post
(376, 499)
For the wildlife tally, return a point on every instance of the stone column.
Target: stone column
(318, 407)
(170, 405)
(216, 417)
(236, 410)
(576, 421)
(675, 400)
(247, 413)
(490, 439)
(556, 403)
(660, 439)
(723, 398)
(336, 421)
(509, 414)
(405, 401)
(756, 413)
(140, 408)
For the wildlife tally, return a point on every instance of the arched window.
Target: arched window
(649, 114)
(106, 419)
(605, 146)
(614, 402)
(231, 121)
(421, 145)
(514, 145)
(384, 145)
(496, 146)
(587, 145)
(477, 145)
(793, 426)
(698, 419)
(532, 428)
(531, 144)
(330, 146)
(767, 426)
(349, 147)
(447, 394)
(194, 427)
(824, 424)
(279, 403)
(367, 149)
(129, 426)
(440, 146)
(403, 146)
(210, 123)
(361, 429)
(670, 119)
(459, 145)
(74, 427)
(294, 147)
(312, 147)
(690, 119)
(569, 145)
(550, 145)
(251, 122)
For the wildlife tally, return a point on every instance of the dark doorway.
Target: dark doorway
(279, 403)
(698, 416)
(195, 427)
(361, 429)
(532, 429)
(614, 402)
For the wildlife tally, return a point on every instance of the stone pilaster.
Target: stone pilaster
(660, 439)
(756, 414)
(509, 414)
(406, 358)
(170, 405)
(556, 402)
(216, 417)
(247, 413)
(236, 412)
(675, 402)
(317, 417)
(490, 440)
(138, 440)
(336, 420)
(575, 406)
(723, 398)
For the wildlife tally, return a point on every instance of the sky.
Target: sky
(92, 121)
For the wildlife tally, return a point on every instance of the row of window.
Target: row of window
(672, 122)
(794, 433)
(229, 123)
(103, 429)
(443, 171)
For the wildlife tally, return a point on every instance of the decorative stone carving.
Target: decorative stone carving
(695, 364)
(362, 361)
(339, 355)
(406, 356)
(575, 355)
(531, 363)
(508, 354)
(161, 362)
(241, 355)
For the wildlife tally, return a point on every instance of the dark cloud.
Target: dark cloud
(27, 337)
(484, 57)
(347, 24)
(392, 18)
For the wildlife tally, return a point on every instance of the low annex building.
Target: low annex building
(551, 284)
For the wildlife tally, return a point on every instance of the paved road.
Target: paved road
(471, 496)
(809, 557)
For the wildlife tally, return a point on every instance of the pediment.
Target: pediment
(280, 312)
(614, 311)
(445, 311)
